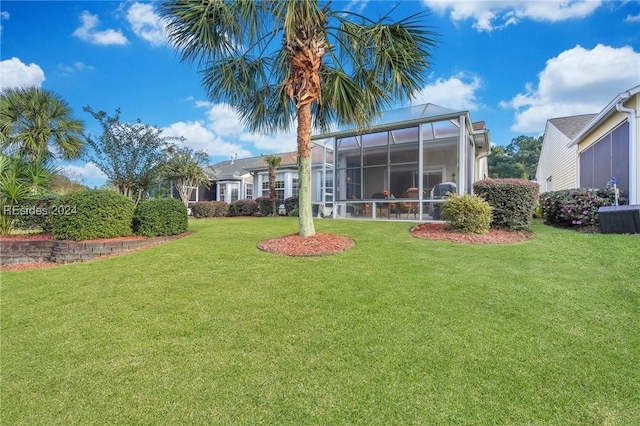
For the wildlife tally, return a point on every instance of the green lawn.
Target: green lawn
(209, 330)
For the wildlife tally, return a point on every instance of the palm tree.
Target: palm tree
(273, 161)
(296, 61)
(33, 120)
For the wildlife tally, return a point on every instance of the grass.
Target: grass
(209, 330)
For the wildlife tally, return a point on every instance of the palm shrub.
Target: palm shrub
(93, 214)
(244, 207)
(467, 213)
(513, 200)
(21, 179)
(160, 216)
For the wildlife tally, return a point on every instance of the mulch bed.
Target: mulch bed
(440, 231)
(316, 245)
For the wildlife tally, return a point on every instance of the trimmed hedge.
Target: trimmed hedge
(467, 213)
(93, 214)
(575, 207)
(245, 207)
(203, 209)
(156, 217)
(265, 207)
(209, 209)
(513, 201)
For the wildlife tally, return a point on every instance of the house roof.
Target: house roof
(236, 168)
(603, 115)
(570, 126)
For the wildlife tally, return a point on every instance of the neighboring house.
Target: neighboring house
(404, 156)
(609, 147)
(248, 178)
(558, 163)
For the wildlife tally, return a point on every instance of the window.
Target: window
(295, 187)
(249, 190)
(606, 159)
(223, 192)
(279, 184)
(235, 189)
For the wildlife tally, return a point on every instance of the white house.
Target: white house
(558, 163)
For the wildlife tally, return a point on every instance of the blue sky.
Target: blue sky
(512, 64)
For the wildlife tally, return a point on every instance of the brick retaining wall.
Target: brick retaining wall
(13, 252)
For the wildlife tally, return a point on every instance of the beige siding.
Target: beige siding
(557, 161)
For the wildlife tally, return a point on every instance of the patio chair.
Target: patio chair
(410, 207)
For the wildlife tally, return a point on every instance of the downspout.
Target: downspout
(633, 169)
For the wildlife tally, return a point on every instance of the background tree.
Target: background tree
(273, 161)
(184, 168)
(21, 179)
(519, 159)
(130, 155)
(280, 63)
(38, 123)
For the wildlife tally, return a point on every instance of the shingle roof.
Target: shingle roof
(570, 126)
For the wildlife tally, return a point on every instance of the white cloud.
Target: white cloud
(73, 68)
(88, 33)
(578, 81)
(497, 14)
(222, 133)
(632, 18)
(146, 24)
(457, 92)
(199, 137)
(13, 73)
(87, 172)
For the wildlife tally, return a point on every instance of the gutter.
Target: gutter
(633, 170)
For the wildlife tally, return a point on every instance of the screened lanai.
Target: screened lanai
(402, 165)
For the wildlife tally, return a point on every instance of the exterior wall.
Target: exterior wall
(558, 165)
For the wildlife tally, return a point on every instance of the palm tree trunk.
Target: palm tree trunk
(306, 227)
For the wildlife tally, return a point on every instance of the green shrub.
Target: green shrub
(265, 207)
(222, 208)
(92, 214)
(203, 209)
(245, 207)
(294, 213)
(513, 201)
(160, 216)
(467, 213)
(575, 207)
(39, 211)
(291, 204)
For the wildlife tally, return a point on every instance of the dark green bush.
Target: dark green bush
(245, 207)
(39, 211)
(160, 216)
(92, 214)
(264, 206)
(513, 201)
(291, 204)
(294, 213)
(575, 207)
(467, 213)
(203, 209)
(222, 208)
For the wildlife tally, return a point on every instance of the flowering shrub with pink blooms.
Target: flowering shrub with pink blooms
(574, 207)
